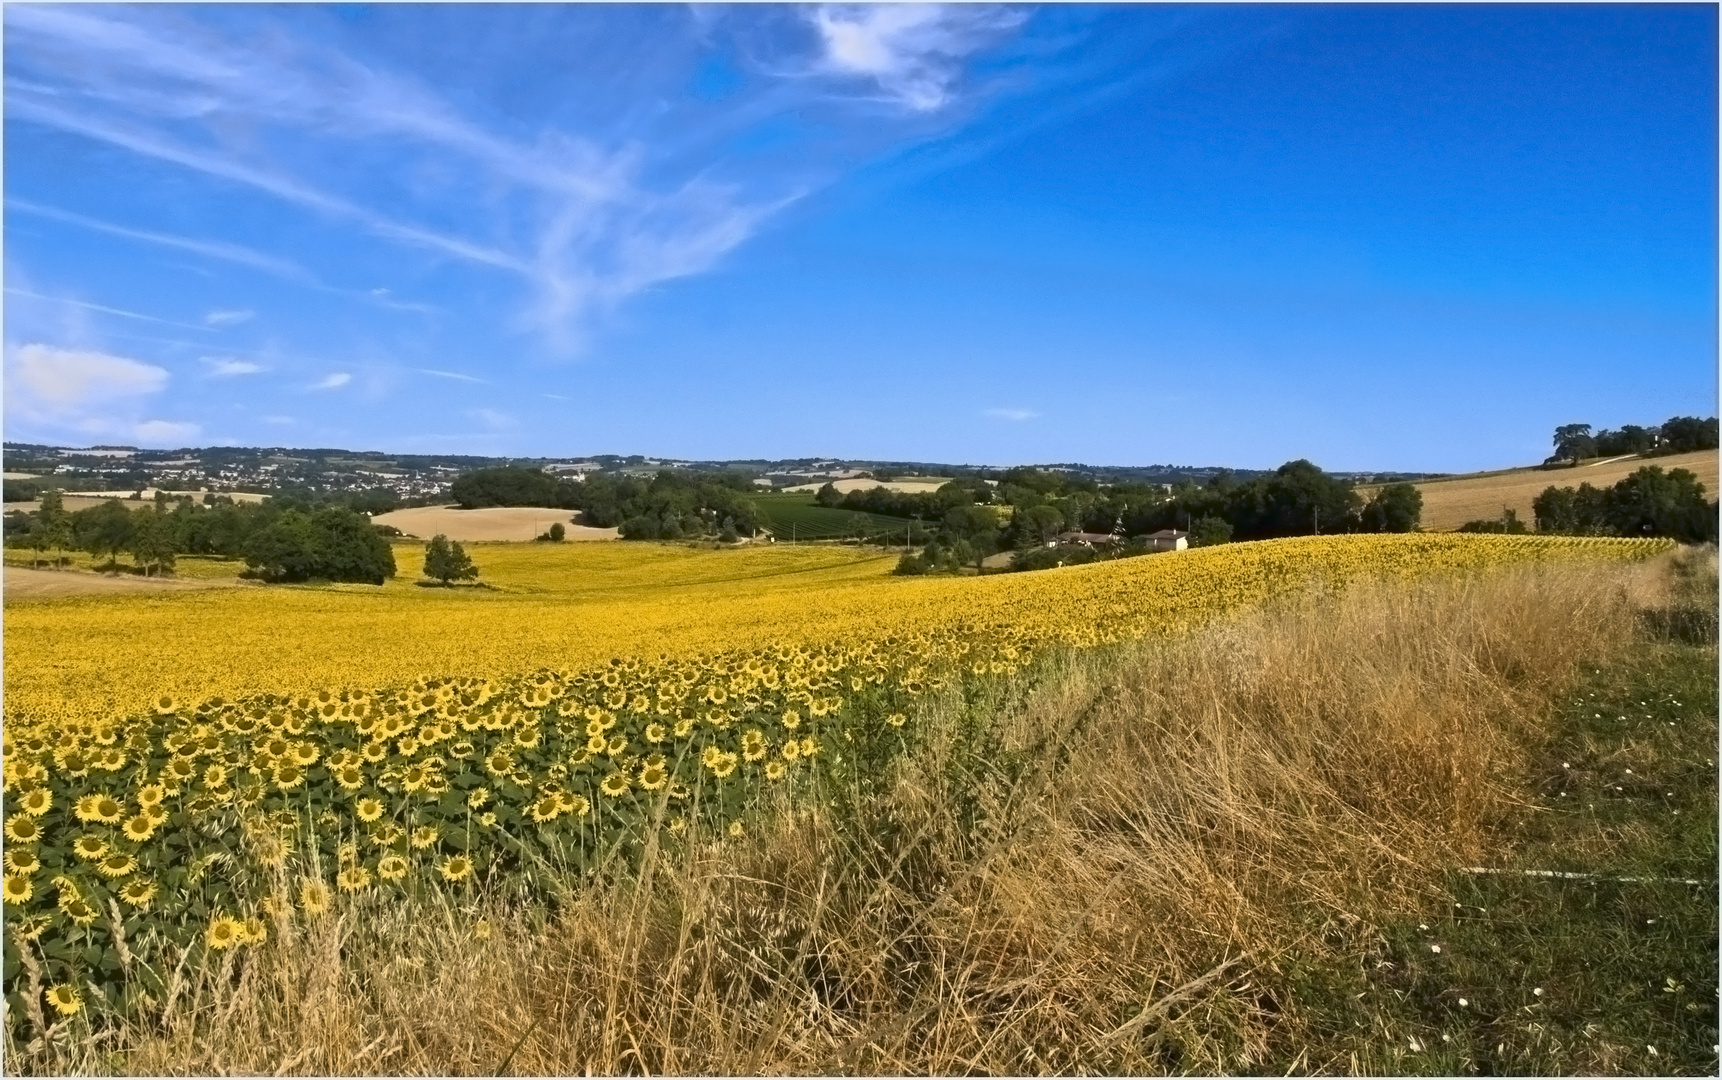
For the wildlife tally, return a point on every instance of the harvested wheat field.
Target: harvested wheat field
(1448, 504)
(490, 523)
(917, 486)
(24, 583)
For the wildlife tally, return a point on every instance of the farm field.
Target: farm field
(798, 516)
(572, 605)
(410, 740)
(488, 523)
(1448, 504)
(917, 485)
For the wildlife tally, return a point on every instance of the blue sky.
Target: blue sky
(1400, 237)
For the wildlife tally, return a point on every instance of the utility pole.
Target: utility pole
(1317, 512)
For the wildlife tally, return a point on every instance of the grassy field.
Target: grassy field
(1448, 504)
(1239, 849)
(797, 515)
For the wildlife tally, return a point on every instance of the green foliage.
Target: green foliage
(1210, 530)
(447, 561)
(1394, 508)
(153, 539)
(1650, 502)
(332, 544)
(1573, 442)
(510, 485)
(1508, 523)
(828, 495)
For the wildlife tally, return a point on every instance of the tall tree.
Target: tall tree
(447, 561)
(1573, 441)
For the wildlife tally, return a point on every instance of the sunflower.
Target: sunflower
(353, 878)
(288, 777)
(545, 809)
(166, 705)
(36, 802)
(809, 747)
(455, 868)
(23, 860)
(896, 719)
(407, 747)
(753, 745)
(481, 930)
(89, 847)
(683, 727)
(653, 776)
(369, 809)
(225, 931)
(615, 785)
(347, 852)
(306, 754)
(414, 778)
(792, 749)
(791, 719)
(477, 797)
(725, 765)
(736, 829)
(138, 828)
(65, 999)
(486, 820)
(391, 868)
(655, 733)
(350, 778)
(256, 931)
(17, 889)
(117, 865)
(426, 836)
(375, 752)
(678, 825)
(181, 770)
(314, 897)
(78, 910)
(775, 770)
(573, 804)
(137, 892)
(151, 795)
(597, 743)
(156, 815)
(462, 750)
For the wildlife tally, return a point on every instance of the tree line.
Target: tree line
(670, 506)
(282, 539)
(1650, 502)
(1296, 499)
(1676, 435)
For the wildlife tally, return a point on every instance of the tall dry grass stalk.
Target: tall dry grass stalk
(1118, 871)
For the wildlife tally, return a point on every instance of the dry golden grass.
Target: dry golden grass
(1448, 504)
(1113, 873)
(489, 523)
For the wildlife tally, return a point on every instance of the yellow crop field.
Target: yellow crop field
(186, 772)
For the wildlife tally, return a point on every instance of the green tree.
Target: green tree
(447, 561)
(154, 539)
(1573, 442)
(1208, 531)
(558, 532)
(828, 495)
(1038, 524)
(104, 529)
(1396, 508)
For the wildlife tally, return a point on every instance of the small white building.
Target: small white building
(1169, 540)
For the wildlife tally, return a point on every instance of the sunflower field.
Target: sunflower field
(144, 835)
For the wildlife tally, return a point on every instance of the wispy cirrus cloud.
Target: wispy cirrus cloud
(451, 375)
(104, 309)
(214, 249)
(584, 216)
(333, 381)
(913, 52)
(227, 318)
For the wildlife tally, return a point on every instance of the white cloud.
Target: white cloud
(70, 378)
(332, 382)
(226, 367)
(1015, 415)
(912, 51)
(166, 432)
(450, 375)
(227, 318)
